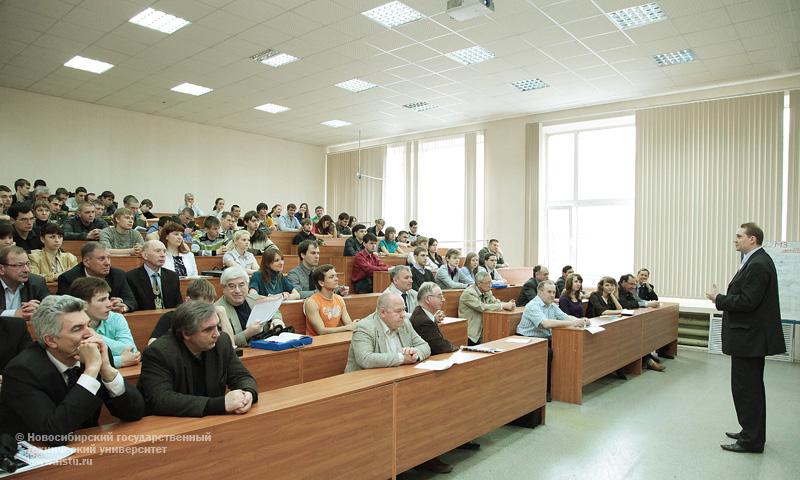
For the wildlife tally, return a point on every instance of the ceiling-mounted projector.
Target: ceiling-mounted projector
(463, 10)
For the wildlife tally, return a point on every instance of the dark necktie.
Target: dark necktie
(405, 300)
(159, 300)
(73, 374)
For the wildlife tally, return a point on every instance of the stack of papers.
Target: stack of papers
(285, 337)
(264, 311)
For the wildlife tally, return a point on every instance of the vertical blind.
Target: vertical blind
(793, 214)
(702, 169)
(347, 193)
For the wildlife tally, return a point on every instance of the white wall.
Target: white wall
(70, 143)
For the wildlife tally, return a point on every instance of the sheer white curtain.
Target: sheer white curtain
(440, 189)
(357, 196)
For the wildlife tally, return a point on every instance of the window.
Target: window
(394, 186)
(480, 234)
(440, 190)
(588, 191)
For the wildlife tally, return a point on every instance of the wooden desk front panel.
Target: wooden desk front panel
(438, 412)
(380, 281)
(455, 332)
(500, 324)
(273, 370)
(659, 328)
(324, 362)
(605, 352)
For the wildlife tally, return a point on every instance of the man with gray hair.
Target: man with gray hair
(401, 281)
(187, 371)
(385, 338)
(57, 385)
(188, 202)
(428, 315)
(476, 299)
(238, 302)
(541, 315)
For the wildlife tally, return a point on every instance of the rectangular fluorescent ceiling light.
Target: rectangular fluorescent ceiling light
(525, 85)
(633, 17)
(158, 20)
(273, 58)
(336, 123)
(393, 14)
(421, 106)
(191, 89)
(356, 85)
(674, 58)
(471, 55)
(87, 64)
(271, 108)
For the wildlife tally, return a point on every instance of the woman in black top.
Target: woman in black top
(433, 253)
(603, 301)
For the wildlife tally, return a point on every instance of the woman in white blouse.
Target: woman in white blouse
(180, 259)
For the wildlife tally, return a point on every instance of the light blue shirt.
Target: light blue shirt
(117, 335)
(288, 223)
(535, 312)
(747, 256)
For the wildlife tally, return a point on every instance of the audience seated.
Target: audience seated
(476, 299)
(85, 225)
(565, 272)
(238, 302)
(132, 203)
(603, 301)
(153, 286)
(302, 213)
(326, 311)
(5, 202)
(412, 231)
(419, 270)
(300, 276)
(646, 292)
(385, 338)
(51, 261)
(343, 225)
(401, 284)
(73, 202)
(449, 275)
(318, 213)
(179, 259)
(377, 229)
(96, 262)
(265, 217)
(571, 300)
(68, 353)
(22, 220)
(122, 238)
(14, 338)
(629, 300)
(111, 326)
(388, 245)
(23, 193)
(236, 211)
(471, 267)
(191, 371)
(365, 263)
(186, 218)
(305, 233)
(109, 205)
(288, 222)
(355, 244)
(529, 289)
(22, 290)
(428, 315)
(145, 207)
(269, 280)
(324, 227)
(489, 266)
(259, 236)
(239, 254)
(188, 202)
(219, 207)
(492, 247)
(212, 242)
(227, 226)
(420, 242)
(198, 290)
(6, 235)
(434, 259)
(541, 315)
(41, 215)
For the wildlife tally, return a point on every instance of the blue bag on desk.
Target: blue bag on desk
(267, 344)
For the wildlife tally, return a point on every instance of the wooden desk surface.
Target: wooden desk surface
(372, 408)
(52, 287)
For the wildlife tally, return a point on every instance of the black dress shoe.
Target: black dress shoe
(738, 448)
(735, 436)
(549, 397)
(620, 375)
(436, 466)
(470, 446)
(667, 356)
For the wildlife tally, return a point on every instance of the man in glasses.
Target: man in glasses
(22, 222)
(22, 291)
(238, 302)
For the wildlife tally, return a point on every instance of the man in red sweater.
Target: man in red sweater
(364, 263)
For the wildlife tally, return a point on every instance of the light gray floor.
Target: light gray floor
(652, 426)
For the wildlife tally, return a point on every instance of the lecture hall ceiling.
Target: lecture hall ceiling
(572, 46)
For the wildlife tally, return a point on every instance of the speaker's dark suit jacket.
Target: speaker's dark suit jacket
(751, 318)
(35, 399)
(115, 279)
(34, 289)
(430, 332)
(167, 382)
(142, 286)
(14, 338)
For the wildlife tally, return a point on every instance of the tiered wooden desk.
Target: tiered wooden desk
(368, 424)
(579, 358)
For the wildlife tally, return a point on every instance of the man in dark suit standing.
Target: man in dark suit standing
(96, 262)
(153, 286)
(751, 330)
(57, 386)
(23, 289)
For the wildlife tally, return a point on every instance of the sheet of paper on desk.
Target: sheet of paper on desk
(461, 356)
(435, 364)
(627, 312)
(452, 319)
(30, 456)
(518, 340)
(264, 311)
(594, 329)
